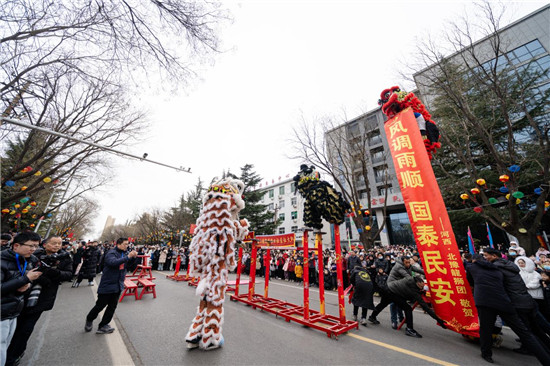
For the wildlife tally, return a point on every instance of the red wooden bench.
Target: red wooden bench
(130, 288)
(148, 288)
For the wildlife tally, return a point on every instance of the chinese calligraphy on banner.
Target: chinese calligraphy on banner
(450, 293)
(284, 240)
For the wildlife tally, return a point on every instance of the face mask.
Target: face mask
(512, 254)
(380, 257)
(546, 268)
(393, 261)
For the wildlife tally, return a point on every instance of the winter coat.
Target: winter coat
(488, 283)
(62, 271)
(381, 282)
(114, 273)
(12, 301)
(362, 288)
(299, 271)
(353, 261)
(162, 257)
(399, 271)
(514, 285)
(407, 288)
(91, 259)
(382, 263)
(530, 277)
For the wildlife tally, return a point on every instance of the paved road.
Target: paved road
(151, 332)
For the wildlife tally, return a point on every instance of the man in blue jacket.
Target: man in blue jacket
(111, 285)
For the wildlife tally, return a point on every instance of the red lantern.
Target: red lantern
(504, 178)
(474, 191)
(464, 196)
(478, 209)
(33, 203)
(6, 210)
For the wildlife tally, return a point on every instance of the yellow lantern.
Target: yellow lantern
(480, 181)
(12, 212)
(475, 190)
(546, 204)
(367, 228)
(464, 196)
(24, 210)
(518, 201)
(47, 180)
(17, 205)
(24, 188)
(38, 173)
(6, 210)
(508, 196)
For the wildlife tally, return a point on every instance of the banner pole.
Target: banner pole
(252, 276)
(321, 267)
(340, 278)
(239, 269)
(267, 264)
(306, 274)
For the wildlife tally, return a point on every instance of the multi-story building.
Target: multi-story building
(527, 45)
(288, 207)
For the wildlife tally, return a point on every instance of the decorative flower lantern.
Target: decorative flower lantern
(517, 194)
(514, 168)
(464, 196)
(504, 178)
(504, 189)
(12, 212)
(367, 212)
(478, 209)
(522, 230)
(5, 210)
(475, 190)
(33, 203)
(24, 188)
(504, 224)
(518, 201)
(538, 191)
(24, 200)
(546, 204)
(24, 210)
(47, 180)
(367, 228)
(480, 182)
(32, 225)
(9, 183)
(493, 200)
(17, 205)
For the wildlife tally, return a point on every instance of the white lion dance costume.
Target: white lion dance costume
(212, 256)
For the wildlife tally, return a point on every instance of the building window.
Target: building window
(294, 229)
(382, 190)
(374, 138)
(281, 203)
(281, 230)
(282, 216)
(353, 129)
(525, 52)
(380, 173)
(372, 122)
(271, 193)
(377, 155)
(282, 190)
(294, 215)
(270, 207)
(292, 186)
(294, 201)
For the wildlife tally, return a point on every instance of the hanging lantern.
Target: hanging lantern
(504, 189)
(504, 178)
(38, 173)
(478, 209)
(12, 212)
(17, 205)
(24, 210)
(56, 181)
(367, 212)
(475, 190)
(504, 224)
(24, 200)
(522, 230)
(367, 228)
(47, 180)
(546, 204)
(32, 225)
(26, 169)
(33, 203)
(518, 201)
(493, 200)
(17, 215)
(24, 188)
(49, 215)
(538, 191)
(34, 216)
(480, 182)
(9, 183)
(5, 210)
(514, 168)
(464, 196)
(517, 194)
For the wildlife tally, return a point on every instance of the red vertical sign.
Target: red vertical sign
(451, 295)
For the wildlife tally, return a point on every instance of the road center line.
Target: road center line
(402, 350)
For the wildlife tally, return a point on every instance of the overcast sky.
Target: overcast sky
(284, 60)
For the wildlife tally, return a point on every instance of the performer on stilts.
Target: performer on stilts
(212, 256)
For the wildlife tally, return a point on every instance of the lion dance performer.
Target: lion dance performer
(212, 255)
(394, 100)
(322, 201)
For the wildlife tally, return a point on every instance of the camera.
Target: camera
(51, 261)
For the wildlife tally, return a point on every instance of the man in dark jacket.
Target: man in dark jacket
(403, 269)
(362, 293)
(90, 259)
(491, 299)
(525, 305)
(111, 285)
(353, 261)
(56, 266)
(17, 275)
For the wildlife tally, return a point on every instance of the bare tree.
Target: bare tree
(344, 155)
(76, 217)
(492, 116)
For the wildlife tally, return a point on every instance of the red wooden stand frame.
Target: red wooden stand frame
(302, 314)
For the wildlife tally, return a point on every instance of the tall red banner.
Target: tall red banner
(451, 294)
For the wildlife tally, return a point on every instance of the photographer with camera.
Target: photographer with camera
(55, 266)
(117, 261)
(17, 276)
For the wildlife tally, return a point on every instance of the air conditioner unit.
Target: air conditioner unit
(294, 220)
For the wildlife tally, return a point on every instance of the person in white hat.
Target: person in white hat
(514, 245)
